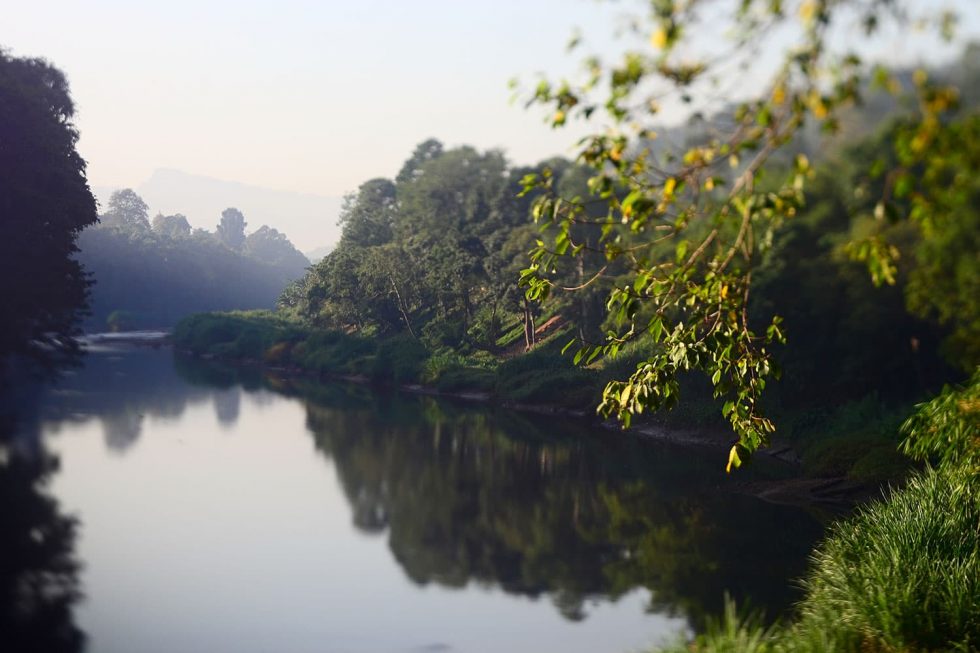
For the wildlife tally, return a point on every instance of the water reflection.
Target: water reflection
(466, 494)
(548, 507)
(38, 570)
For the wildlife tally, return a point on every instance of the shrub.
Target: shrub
(399, 359)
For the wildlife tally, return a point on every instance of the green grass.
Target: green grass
(243, 335)
(545, 376)
(903, 575)
(542, 376)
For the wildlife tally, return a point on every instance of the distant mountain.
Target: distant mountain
(316, 255)
(309, 221)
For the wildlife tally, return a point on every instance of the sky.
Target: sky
(315, 97)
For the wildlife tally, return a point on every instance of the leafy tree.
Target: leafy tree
(45, 202)
(153, 278)
(128, 212)
(424, 151)
(427, 254)
(367, 216)
(271, 246)
(942, 191)
(231, 229)
(172, 226)
(690, 228)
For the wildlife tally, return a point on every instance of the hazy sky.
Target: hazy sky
(309, 96)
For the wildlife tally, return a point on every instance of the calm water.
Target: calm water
(160, 504)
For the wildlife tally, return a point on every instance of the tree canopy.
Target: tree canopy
(45, 202)
(152, 277)
(688, 228)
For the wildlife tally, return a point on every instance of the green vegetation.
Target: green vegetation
(902, 575)
(859, 359)
(152, 274)
(431, 260)
(690, 228)
(540, 377)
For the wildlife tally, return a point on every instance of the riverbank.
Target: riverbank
(903, 574)
(148, 337)
(840, 457)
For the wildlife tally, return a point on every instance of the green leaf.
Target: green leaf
(681, 251)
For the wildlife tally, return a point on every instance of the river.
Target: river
(155, 503)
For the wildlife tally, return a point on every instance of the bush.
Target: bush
(399, 360)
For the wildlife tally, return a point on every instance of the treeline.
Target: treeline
(436, 255)
(152, 273)
(435, 252)
(424, 287)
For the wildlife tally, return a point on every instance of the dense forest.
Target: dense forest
(151, 273)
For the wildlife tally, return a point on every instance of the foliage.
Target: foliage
(947, 427)
(903, 575)
(434, 254)
(45, 202)
(126, 211)
(172, 226)
(244, 335)
(689, 229)
(270, 246)
(943, 192)
(158, 275)
(231, 229)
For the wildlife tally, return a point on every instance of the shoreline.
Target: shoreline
(836, 494)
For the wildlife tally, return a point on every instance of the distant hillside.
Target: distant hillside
(309, 221)
(316, 255)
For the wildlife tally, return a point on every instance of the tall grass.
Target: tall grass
(903, 575)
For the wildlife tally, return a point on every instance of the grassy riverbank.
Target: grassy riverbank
(856, 440)
(903, 574)
(539, 377)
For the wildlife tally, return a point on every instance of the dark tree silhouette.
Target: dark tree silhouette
(39, 583)
(45, 201)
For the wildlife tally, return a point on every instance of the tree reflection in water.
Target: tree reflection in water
(38, 570)
(550, 507)
(469, 494)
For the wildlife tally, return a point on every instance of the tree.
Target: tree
(271, 246)
(45, 202)
(424, 151)
(231, 229)
(368, 215)
(128, 212)
(688, 228)
(172, 226)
